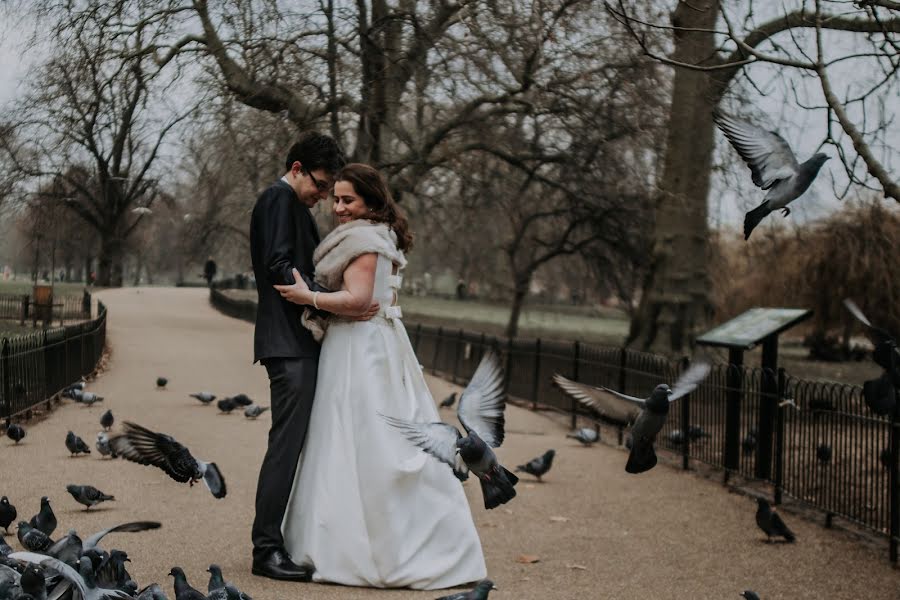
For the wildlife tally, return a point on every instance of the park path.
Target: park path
(598, 532)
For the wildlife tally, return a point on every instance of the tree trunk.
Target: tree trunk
(675, 303)
(512, 328)
(109, 263)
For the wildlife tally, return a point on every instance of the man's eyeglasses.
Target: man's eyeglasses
(320, 185)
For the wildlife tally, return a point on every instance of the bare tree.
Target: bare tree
(708, 59)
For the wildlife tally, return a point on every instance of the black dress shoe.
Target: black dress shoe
(278, 565)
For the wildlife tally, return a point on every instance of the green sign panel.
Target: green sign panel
(750, 328)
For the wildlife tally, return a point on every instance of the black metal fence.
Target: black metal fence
(815, 442)
(22, 308)
(233, 307)
(37, 366)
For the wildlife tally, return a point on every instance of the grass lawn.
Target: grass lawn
(21, 286)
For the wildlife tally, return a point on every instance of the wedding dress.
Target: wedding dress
(368, 508)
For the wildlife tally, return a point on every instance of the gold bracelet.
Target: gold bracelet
(315, 300)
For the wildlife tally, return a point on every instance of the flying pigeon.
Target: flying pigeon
(204, 397)
(183, 590)
(823, 453)
(480, 592)
(585, 435)
(44, 520)
(107, 420)
(31, 538)
(15, 432)
(7, 513)
(647, 416)
(254, 410)
(770, 522)
(88, 495)
(82, 579)
(242, 400)
(538, 466)
(772, 164)
(226, 405)
(139, 444)
(448, 401)
(76, 445)
(480, 411)
(880, 393)
(103, 446)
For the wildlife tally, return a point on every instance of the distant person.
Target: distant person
(209, 270)
(461, 290)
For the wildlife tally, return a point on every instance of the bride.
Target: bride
(367, 507)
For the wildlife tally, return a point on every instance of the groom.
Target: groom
(283, 236)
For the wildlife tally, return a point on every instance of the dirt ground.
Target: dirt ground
(598, 533)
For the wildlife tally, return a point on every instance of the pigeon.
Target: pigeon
(772, 164)
(89, 398)
(83, 579)
(695, 432)
(15, 432)
(6, 591)
(647, 416)
(72, 390)
(823, 453)
(88, 495)
(44, 520)
(675, 437)
(107, 420)
(749, 595)
(480, 411)
(748, 444)
(218, 586)
(161, 382)
(5, 549)
(480, 592)
(32, 539)
(183, 590)
(103, 446)
(242, 400)
(7, 513)
(880, 393)
(91, 541)
(585, 435)
(448, 401)
(226, 405)
(139, 444)
(254, 410)
(33, 581)
(204, 397)
(67, 549)
(770, 522)
(538, 466)
(152, 592)
(76, 445)
(112, 571)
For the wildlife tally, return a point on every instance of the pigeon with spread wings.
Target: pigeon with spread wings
(480, 411)
(647, 417)
(880, 393)
(139, 444)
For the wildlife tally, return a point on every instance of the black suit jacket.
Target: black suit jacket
(283, 235)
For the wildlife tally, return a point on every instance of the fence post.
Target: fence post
(734, 387)
(576, 357)
(459, 338)
(25, 300)
(418, 335)
(685, 422)
(437, 349)
(623, 380)
(536, 376)
(767, 408)
(779, 437)
(895, 479)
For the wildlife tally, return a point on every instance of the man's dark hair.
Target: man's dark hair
(316, 151)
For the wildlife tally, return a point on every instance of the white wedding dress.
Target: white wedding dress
(368, 508)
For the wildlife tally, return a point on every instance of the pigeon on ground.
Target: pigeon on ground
(103, 446)
(83, 579)
(823, 453)
(152, 592)
(5, 549)
(71, 391)
(204, 397)
(647, 416)
(748, 444)
(88, 495)
(44, 520)
(15, 432)
(112, 572)
(675, 437)
(76, 445)
(32, 538)
(107, 420)
(254, 410)
(770, 522)
(183, 590)
(480, 592)
(880, 393)
(226, 405)
(538, 466)
(585, 435)
(67, 548)
(218, 586)
(242, 400)
(448, 401)
(7, 513)
(139, 444)
(34, 582)
(772, 164)
(161, 382)
(749, 595)
(7, 588)
(89, 398)
(480, 411)
(695, 432)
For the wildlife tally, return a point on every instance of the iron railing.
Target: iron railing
(22, 308)
(36, 367)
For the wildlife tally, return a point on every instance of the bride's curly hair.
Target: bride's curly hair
(371, 186)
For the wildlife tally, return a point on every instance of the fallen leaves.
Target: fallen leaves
(527, 559)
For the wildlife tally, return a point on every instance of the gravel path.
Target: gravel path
(598, 532)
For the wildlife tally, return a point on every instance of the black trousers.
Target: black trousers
(292, 382)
